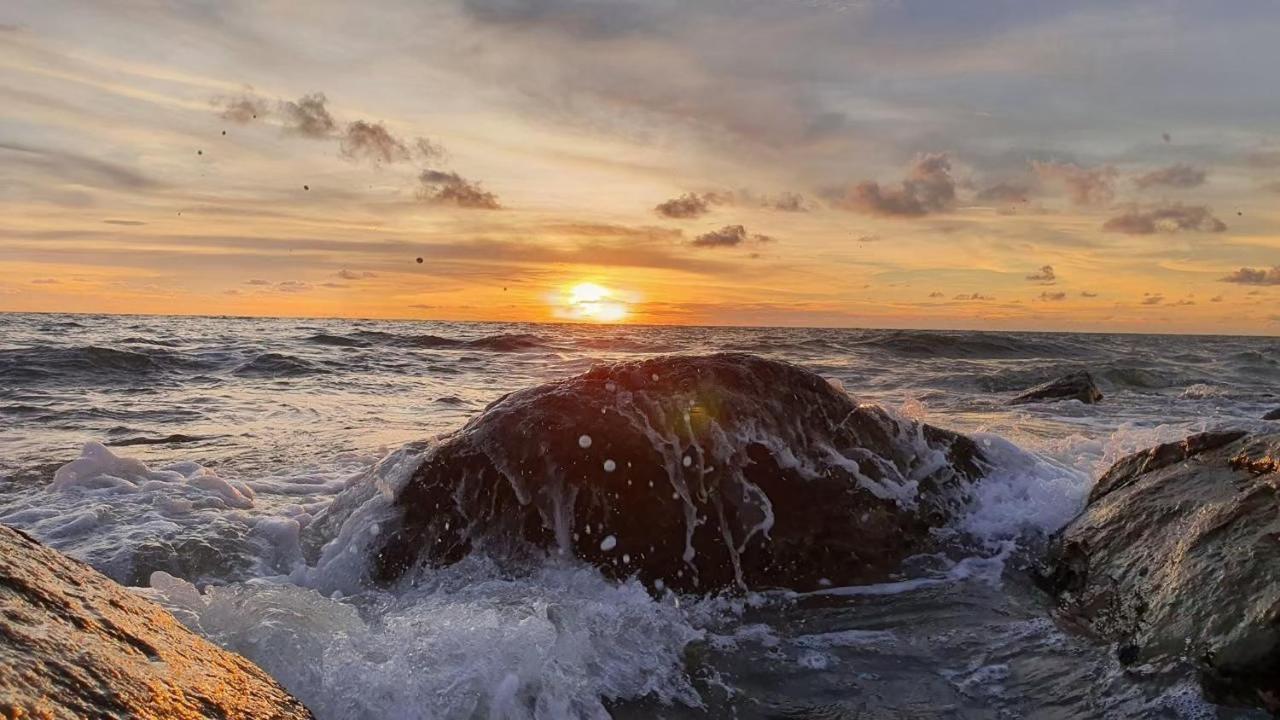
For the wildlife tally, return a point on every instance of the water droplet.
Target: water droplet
(609, 543)
(584, 441)
(610, 466)
(687, 461)
(626, 559)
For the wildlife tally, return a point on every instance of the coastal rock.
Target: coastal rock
(694, 473)
(73, 643)
(1273, 415)
(1076, 386)
(1177, 555)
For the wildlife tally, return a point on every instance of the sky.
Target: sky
(996, 164)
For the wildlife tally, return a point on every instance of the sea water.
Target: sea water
(185, 456)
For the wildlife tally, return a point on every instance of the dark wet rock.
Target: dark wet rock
(697, 473)
(1177, 555)
(75, 644)
(1273, 415)
(1076, 386)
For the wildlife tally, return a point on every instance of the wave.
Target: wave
(336, 340)
(91, 362)
(505, 342)
(966, 345)
(278, 365)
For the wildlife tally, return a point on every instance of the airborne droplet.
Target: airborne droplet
(584, 441)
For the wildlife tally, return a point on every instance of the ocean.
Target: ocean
(184, 456)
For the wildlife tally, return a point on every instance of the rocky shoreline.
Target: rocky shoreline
(74, 643)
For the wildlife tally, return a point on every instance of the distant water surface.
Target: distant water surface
(242, 429)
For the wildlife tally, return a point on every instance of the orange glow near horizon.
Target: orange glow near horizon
(592, 302)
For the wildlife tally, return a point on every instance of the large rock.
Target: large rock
(1076, 386)
(1177, 555)
(1273, 415)
(73, 643)
(695, 473)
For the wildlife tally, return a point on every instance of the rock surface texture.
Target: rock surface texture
(1076, 386)
(74, 644)
(694, 473)
(1177, 555)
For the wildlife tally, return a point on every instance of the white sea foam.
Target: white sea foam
(467, 642)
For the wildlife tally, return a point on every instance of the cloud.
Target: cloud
(243, 108)
(1264, 158)
(1004, 192)
(1044, 275)
(1085, 186)
(333, 285)
(1053, 296)
(689, 205)
(371, 141)
(1086, 293)
(308, 116)
(257, 281)
(73, 168)
(728, 236)
(928, 188)
(428, 150)
(789, 202)
(346, 274)
(1152, 299)
(936, 294)
(1254, 276)
(975, 297)
(293, 286)
(1165, 219)
(449, 188)
(124, 222)
(232, 291)
(694, 205)
(46, 281)
(1216, 299)
(1180, 175)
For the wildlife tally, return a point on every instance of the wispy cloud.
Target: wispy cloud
(1084, 185)
(242, 108)
(1180, 175)
(687, 206)
(728, 236)
(928, 188)
(1164, 219)
(449, 188)
(308, 116)
(1044, 275)
(371, 141)
(1254, 276)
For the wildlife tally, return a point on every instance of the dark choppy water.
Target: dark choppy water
(224, 436)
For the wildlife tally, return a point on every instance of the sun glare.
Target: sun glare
(592, 302)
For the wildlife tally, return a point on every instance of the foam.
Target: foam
(466, 642)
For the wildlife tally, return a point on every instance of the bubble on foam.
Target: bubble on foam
(468, 641)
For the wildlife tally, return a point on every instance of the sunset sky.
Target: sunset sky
(896, 163)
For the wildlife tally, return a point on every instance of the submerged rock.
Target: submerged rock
(1076, 386)
(695, 473)
(1177, 555)
(1273, 415)
(75, 644)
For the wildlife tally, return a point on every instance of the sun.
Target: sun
(592, 302)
